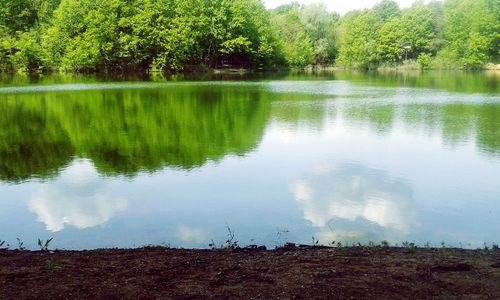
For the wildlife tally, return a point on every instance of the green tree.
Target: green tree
(358, 34)
(414, 30)
(320, 25)
(90, 35)
(387, 9)
(18, 15)
(472, 32)
(297, 46)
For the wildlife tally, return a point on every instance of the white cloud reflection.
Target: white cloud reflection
(78, 199)
(352, 202)
(191, 235)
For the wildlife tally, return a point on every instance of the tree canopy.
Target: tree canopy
(175, 35)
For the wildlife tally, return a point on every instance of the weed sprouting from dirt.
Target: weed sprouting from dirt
(20, 245)
(230, 243)
(53, 264)
(44, 245)
(2, 247)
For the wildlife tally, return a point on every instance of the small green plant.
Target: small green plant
(315, 242)
(2, 243)
(212, 245)
(20, 245)
(385, 244)
(371, 244)
(494, 247)
(53, 264)
(443, 245)
(230, 243)
(44, 245)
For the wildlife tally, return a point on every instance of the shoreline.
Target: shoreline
(309, 272)
(235, 70)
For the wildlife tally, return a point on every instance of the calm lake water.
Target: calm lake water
(348, 157)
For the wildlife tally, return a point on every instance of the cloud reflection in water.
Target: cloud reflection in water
(191, 235)
(79, 199)
(350, 202)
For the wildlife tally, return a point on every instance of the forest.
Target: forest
(38, 36)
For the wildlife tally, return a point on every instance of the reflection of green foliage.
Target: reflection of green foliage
(488, 128)
(125, 130)
(299, 109)
(32, 143)
(459, 122)
(464, 82)
(379, 116)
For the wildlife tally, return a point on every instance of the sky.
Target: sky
(340, 6)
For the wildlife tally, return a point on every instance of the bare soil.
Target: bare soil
(251, 273)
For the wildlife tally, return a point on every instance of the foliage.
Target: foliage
(174, 35)
(2, 243)
(358, 39)
(27, 54)
(425, 60)
(307, 33)
(231, 243)
(387, 10)
(164, 34)
(461, 31)
(44, 245)
(20, 245)
(472, 32)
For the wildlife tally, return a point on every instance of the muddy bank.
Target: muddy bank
(289, 272)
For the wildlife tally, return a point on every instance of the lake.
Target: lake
(344, 156)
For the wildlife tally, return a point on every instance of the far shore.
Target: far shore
(235, 70)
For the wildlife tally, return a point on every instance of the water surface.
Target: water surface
(347, 157)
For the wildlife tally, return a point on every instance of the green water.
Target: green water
(347, 156)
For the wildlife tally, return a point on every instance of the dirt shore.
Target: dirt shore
(252, 273)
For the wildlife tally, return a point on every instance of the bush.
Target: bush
(27, 54)
(425, 60)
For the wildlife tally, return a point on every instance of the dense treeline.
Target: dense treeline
(174, 35)
(456, 33)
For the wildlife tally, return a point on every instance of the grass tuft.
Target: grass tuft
(44, 245)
